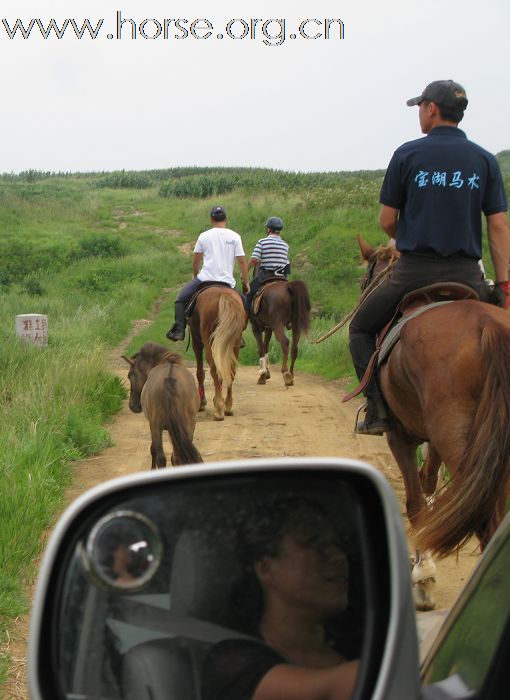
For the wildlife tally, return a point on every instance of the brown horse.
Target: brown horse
(282, 305)
(217, 323)
(447, 382)
(165, 391)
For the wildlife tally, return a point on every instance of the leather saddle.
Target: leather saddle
(268, 282)
(412, 305)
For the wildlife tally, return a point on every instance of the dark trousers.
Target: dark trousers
(188, 290)
(412, 271)
(257, 282)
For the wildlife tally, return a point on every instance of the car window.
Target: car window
(463, 660)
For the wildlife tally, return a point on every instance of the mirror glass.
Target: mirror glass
(123, 551)
(184, 588)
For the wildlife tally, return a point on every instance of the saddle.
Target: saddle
(203, 286)
(257, 299)
(412, 305)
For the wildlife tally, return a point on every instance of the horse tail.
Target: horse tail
(226, 335)
(476, 503)
(184, 451)
(301, 306)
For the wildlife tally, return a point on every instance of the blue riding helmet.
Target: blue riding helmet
(274, 223)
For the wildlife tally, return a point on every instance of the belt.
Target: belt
(431, 255)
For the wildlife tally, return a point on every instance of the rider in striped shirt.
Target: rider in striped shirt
(271, 255)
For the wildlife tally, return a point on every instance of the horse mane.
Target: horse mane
(386, 252)
(155, 354)
(383, 257)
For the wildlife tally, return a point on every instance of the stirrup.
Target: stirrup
(379, 426)
(362, 407)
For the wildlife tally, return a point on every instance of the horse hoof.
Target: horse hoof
(229, 413)
(262, 379)
(423, 594)
(288, 378)
(219, 417)
(201, 407)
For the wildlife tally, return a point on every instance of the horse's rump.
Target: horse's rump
(228, 320)
(165, 391)
(217, 324)
(170, 402)
(286, 303)
(180, 407)
(448, 381)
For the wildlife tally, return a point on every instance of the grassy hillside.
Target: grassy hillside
(93, 252)
(504, 163)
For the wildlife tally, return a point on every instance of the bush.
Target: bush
(100, 245)
(22, 259)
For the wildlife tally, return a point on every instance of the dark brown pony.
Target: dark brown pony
(165, 391)
(447, 382)
(283, 305)
(217, 323)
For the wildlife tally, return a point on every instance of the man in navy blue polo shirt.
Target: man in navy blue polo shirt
(433, 196)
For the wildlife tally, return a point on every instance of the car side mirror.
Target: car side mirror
(146, 576)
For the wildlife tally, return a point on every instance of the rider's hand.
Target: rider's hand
(502, 292)
(246, 287)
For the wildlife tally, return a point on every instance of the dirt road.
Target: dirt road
(307, 419)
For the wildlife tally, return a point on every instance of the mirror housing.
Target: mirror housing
(88, 620)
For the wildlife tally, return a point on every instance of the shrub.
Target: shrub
(100, 245)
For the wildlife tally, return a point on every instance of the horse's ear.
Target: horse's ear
(128, 360)
(366, 250)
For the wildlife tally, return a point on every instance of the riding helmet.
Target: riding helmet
(274, 223)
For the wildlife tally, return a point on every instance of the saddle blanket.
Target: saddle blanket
(393, 335)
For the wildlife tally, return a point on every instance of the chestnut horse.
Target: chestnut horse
(217, 323)
(447, 382)
(282, 305)
(165, 390)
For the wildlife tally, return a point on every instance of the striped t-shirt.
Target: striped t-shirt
(272, 251)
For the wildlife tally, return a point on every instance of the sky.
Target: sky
(255, 97)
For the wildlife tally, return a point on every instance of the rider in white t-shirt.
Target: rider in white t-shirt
(215, 253)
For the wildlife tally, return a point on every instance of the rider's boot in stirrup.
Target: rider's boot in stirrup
(376, 421)
(176, 332)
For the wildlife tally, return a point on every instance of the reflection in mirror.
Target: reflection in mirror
(123, 551)
(216, 588)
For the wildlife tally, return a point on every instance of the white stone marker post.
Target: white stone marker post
(33, 328)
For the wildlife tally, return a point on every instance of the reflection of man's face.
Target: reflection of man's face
(121, 559)
(316, 577)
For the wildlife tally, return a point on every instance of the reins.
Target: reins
(374, 284)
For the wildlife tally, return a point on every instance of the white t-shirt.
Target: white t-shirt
(220, 247)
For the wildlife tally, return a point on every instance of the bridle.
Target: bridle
(369, 284)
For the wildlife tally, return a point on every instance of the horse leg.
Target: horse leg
(430, 469)
(294, 350)
(267, 339)
(403, 448)
(218, 401)
(229, 400)
(198, 349)
(257, 332)
(284, 343)
(157, 454)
